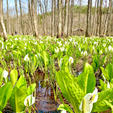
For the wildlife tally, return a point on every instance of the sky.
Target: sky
(25, 4)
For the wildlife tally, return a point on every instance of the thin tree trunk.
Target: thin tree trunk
(21, 18)
(94, 21)
(97, 29)
(100, 19)
(87, 27)
(16, 8)
(60, 18)
(30, 15)
(53, 19)
(109, 18)
(72, 12)
(1, 20)
(79, 15)
(7, 17)
(34, 12)
(90, 15)
(66, 19)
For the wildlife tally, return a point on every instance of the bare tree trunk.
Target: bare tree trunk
(1, 20)
(109, 18)
(53, 19)
(30, 15)
(79, 15)
(97, 29)
(66, 19)
(60, 18)
(72, 12)
(16, 8)
(45, 22)
(43, 17)
(94, 21)
(7, 17)
(90, 19)
(34, 12)
(21, 18)
(88, 11)
(100, 19)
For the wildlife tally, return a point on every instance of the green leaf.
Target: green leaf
(18, 95)
(103, 85)
(31, 89)
(109, 104)
(70, 89)
(1, 76)
(87, 80)
(103, 96)
(5, 93)
(109, 68)
(65, 107)
(13, 76)
(105, 73)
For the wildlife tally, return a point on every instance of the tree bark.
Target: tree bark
(53, 19)
(34, 12)
(7, 17)
(109, 18)
(100, 19)
(72, 12)
(1, 20)
(97, 28)
(21, 18)
(66, 19)
(60, 18)
(16, 8)
(87, 27)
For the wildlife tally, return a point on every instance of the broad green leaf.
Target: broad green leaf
(103, 96)
(110, 105)
(65, 107)
(110, 70)
(1, 76)
(21, 82)
(70, 89)
(5, 93)
(87, 80)
(18, 95)
(17, 99)
(105, 73)
(13, 76)
(45, 58)
(31, 89)
(103, 85)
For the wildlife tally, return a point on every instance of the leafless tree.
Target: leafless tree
(1, 20)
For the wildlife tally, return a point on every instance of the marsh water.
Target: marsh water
(45, 97)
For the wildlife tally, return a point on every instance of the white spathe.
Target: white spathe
(29, 100)
(71, 60)
(63, 111)
(108, 85)
(26, 58)
(89, 99)
(5, 74)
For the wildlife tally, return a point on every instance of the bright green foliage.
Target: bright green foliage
(65, 107)
(13, 76)
(70, 89)
(18, 95)
(87, 80)
(5, 93)
(104, 96)
(1, 76)
(50, 55)
(31, 89)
